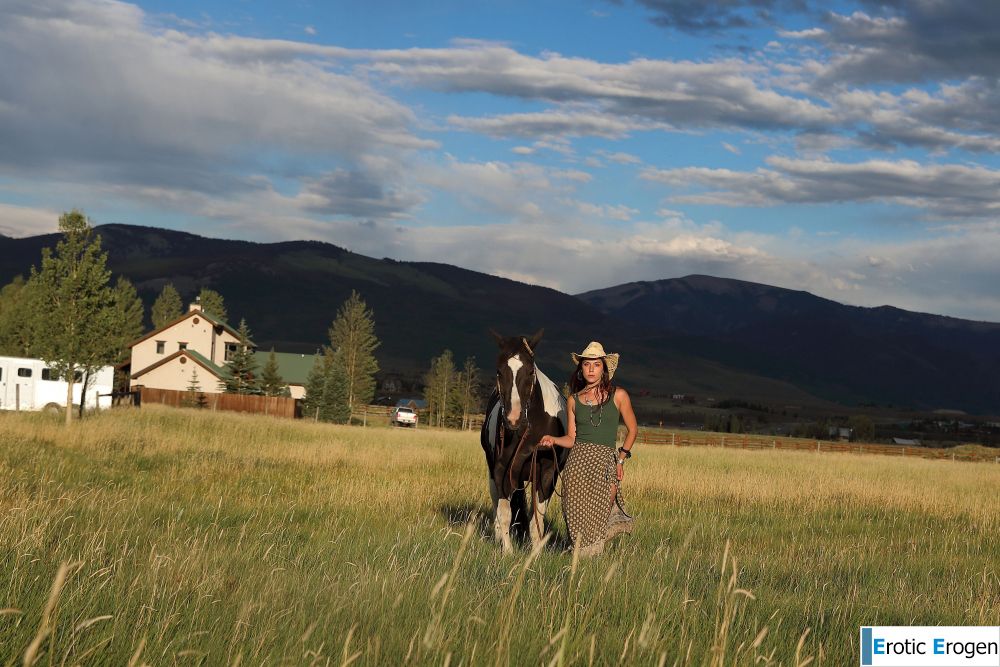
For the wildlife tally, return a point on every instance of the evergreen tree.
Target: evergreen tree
(130, 314)
(440, 384)
(75, 332)
(212, 304)
(326, 391)
(241, 369)
(352, 337)
(315, 383)
(167, 307)
(194, 398)
(271, 382)
(336, 408)
(17, 311)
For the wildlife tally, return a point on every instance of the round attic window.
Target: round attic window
(184, 360)
(196, 320)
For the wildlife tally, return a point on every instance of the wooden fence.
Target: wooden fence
(279, 406)
(745, 441)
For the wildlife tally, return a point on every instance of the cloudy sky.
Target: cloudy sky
(848, 149)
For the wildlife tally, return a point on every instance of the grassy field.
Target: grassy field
(180, 537)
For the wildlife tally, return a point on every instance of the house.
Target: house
(168, 357)
(412, 403)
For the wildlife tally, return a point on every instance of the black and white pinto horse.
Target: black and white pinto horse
(524, 406)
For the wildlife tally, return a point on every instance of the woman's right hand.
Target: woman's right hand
(546, 441)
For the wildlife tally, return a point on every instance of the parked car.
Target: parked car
(403, 417)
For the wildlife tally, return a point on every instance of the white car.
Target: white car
(403, 417)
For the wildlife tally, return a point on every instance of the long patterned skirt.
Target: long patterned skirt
(591, 471)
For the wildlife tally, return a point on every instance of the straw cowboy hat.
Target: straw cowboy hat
(596, 351)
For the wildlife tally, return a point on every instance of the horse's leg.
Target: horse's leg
(501, 519)
(538, 522)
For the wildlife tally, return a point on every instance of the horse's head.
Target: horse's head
(515, 374)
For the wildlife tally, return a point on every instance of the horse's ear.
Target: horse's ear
(497, 337)
(534, 340)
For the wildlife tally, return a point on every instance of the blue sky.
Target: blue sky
(848, 149)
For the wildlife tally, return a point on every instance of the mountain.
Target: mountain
(843, 353)
(699, 335)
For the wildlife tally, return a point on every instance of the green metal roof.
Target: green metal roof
(206, 361)
(294, 368)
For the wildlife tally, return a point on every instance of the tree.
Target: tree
(336, 405)
(130, 314)
(271, 382)
(862, 428)
(76, 331)
(352, 337)
(17, 311)
(241, 369)
(440, 384)
(326, 391)
(167, 307)
(315, 381)
(194, 398)
(468, 390)
(212, 304)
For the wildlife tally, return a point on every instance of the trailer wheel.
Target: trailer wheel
(53, 408)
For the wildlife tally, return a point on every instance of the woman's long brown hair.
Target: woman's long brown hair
(577, 383)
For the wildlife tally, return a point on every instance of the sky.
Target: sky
(849, 149)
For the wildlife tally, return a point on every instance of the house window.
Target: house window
(183, 360)
(182, 346)
(231, 350)
(161, 346)
(24, 372)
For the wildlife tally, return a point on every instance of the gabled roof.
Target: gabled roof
(214, 369)
(215, 321)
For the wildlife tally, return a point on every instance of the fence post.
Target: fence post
(365, 417)
(673, 438)
(774, 444)
(817, 446)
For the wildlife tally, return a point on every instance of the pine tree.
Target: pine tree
(212, 304)
(335, 395)
(194, 398)
(17, 311)
(75, 332)
(167, 307)
(271, 382)
(130, 314)
(439, 389)
(326, 391)
(352, 336)
(315, 381)
(241, 369)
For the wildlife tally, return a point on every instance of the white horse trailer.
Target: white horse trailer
(29, 384)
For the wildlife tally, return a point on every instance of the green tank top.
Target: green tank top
(606, 431)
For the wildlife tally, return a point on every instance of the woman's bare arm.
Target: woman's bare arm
(570, 437)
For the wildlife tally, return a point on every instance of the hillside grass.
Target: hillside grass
(167, 536)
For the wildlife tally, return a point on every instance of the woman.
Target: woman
(592, 499)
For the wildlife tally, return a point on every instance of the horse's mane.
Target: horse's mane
(552, 399)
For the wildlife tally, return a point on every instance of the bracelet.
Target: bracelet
(627, 453)
(621, 462)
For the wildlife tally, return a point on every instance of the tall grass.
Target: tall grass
(183, 537)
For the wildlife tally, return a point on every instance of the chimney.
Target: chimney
(195, 305)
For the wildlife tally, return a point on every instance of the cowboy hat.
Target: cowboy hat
(596, 351)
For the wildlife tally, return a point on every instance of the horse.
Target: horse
(524, 406)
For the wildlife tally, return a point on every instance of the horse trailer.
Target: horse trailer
(29, 384)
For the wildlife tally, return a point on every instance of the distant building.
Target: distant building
(906, 441)
(412, 403)
(292, 367)
(166, 358)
